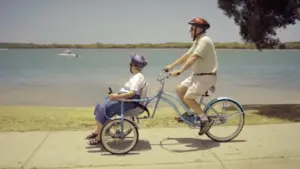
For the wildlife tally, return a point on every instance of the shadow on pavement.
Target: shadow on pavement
(189, 144)
(142, 145)
(177, 145)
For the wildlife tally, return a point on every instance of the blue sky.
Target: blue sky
(115, 21)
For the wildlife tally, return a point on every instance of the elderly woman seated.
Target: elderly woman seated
(131, 90)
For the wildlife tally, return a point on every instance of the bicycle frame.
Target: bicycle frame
(161, 95)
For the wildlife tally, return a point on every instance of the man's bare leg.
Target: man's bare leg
(181, 90)
(205, 122)
(196, 107)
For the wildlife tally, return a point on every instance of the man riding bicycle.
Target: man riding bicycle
(203, 60)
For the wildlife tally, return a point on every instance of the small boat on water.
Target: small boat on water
(68, 53)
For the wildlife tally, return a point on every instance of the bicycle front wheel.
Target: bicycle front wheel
(117, 142)
(222, 111)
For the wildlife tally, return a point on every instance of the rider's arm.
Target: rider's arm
(180, 60)
(198, 52)
(189, 62)
(184, 57)
(126, 95)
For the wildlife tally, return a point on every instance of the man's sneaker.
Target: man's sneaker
(205, 126)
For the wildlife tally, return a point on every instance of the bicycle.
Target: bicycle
(123, 119)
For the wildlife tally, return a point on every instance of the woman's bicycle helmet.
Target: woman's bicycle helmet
(138, 61)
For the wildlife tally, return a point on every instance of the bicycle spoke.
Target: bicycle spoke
(234, 114)
(117, 141)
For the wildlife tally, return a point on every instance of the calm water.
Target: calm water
(41, 77)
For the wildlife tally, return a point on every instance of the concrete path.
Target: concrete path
(257, 147)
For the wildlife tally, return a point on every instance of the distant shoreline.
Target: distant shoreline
(228, 45)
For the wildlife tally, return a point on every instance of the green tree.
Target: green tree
(259, 19)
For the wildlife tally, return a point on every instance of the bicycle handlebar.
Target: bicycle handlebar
(110, 91)
(162, 76)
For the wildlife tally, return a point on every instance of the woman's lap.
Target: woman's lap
(111, 108)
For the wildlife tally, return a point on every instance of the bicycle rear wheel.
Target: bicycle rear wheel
(217, 114)
(113, 139)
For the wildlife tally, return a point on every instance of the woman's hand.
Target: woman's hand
(114, 96)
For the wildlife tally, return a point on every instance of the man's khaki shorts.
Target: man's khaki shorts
(198, 85)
